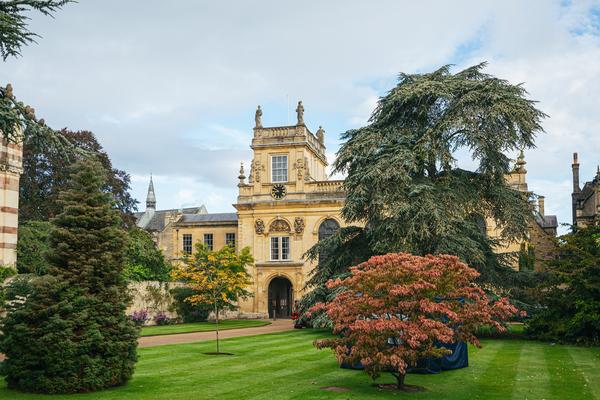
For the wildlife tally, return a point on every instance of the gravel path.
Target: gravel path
(281, 325)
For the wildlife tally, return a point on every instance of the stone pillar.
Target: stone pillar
(11, 167)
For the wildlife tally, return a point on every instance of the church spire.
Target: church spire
(151, 197)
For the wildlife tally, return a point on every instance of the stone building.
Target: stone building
(11, 168)
(284, 206)
(586, 200)
(542, 227)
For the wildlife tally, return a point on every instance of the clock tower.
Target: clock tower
(281, 207)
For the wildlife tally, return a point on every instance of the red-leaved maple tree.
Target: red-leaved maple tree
(414, 302)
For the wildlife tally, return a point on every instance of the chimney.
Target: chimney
(541, 205)
(575, 167)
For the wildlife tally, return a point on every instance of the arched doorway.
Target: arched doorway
(280, 298)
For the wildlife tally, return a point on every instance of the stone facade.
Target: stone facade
(284, 207)
(586, 200)
(11, 161)
(542, 227)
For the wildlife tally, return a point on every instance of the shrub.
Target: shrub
(162, 319)
(187, 311)
(139, 317)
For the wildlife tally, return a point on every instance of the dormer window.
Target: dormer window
(279, 168)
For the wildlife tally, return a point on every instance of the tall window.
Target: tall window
(327, 228)
(208, 240)
(279, 168)
(187, 243)
(230, 239)
(280, 248)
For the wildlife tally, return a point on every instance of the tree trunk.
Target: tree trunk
(399, 380)
(217, 324)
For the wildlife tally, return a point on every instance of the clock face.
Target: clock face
(278, 191)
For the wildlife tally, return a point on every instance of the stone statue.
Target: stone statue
(300, 113)
(259, 226)
(321, 135)
(258, 118)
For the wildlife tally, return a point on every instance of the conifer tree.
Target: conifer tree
(405, 184)
(70, 332)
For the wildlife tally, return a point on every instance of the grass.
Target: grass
(287, 366)
(201, 327)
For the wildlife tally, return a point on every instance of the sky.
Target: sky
(170, 87)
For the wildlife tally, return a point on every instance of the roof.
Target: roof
(546, 221)
(155, 220)
(211, 218)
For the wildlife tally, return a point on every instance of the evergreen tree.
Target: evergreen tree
(570, 296)
(70, 333)
(404, 182)
(17, 118)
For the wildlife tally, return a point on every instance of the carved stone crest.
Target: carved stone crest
(279, 225)
(300, 166)
(255, 170)
(259, 226)
(299, 225)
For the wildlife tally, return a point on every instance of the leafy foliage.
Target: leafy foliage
(16, 118)
(403, 180)
(395, 309)
(217, 277)
(13, 23)
(143, 260)
(571, 295)
(45, 174)
(189, 312)
(69, 332)
(33, 246)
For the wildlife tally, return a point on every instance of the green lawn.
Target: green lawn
(287, 366)
(201, 327)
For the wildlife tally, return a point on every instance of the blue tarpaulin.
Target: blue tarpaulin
(459, 358)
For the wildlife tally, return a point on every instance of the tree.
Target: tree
(16, 117)
(45, 173)
(14, 16)
(143, 260)
(217, 277)
(571, 295)
(32, 247)
(70, 332)
(398, 308)
(404, 181)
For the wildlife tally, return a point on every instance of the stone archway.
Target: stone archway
(280, 298)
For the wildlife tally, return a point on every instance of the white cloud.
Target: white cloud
(171, 87)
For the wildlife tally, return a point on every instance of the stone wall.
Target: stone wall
(155, 297)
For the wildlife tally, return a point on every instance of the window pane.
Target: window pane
(279, 168)
(285, 248)
(274, 248)
(187, 243)
(208, 240)
(230, 239)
